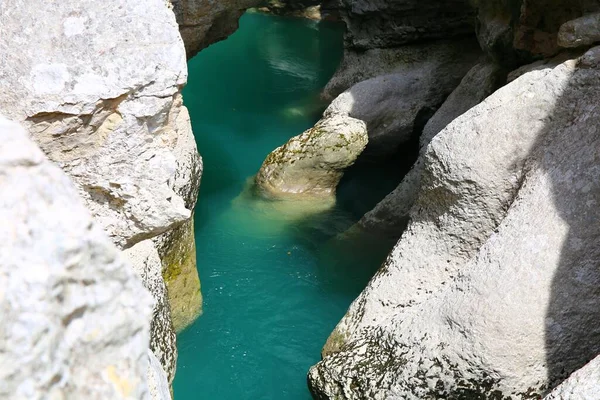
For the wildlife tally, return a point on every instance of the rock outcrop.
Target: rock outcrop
(203, 22)
(98, 85)
(390, 216)
(580, 32)
(583, 384)
(492, 291)
(157, 379)
(145, 261)
(75, 317)
(312, 164)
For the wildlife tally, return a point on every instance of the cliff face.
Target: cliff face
(203, 22)
(74, 316)
(492, 289)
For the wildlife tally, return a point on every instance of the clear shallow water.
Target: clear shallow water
(275, 280)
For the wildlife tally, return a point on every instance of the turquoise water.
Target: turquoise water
(274, 278)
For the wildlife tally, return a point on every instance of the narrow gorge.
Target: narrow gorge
(295, 199)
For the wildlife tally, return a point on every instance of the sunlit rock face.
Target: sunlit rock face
(97, 85)
(75, 317)
(203, 22)
(493, 289)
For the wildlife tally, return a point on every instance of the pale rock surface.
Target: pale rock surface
(98, 86)
(397, 104)
(583, 384)
(144, 259)
(203, 22)
(493, 289)
(158, 386)
(579, 32)
(390, 216)
(313, 163)
(75, 317)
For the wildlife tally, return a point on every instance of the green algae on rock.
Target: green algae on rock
(312, 163)
(177, 250)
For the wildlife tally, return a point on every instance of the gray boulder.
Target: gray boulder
(493, 289)
(396, 104)
(390, 216)
(75, 317)
(579, 32)
(583, 384)
(312, 163)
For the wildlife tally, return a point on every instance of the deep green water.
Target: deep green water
(274, 278)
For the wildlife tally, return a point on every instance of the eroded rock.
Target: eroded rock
(580, 32)
(583, 384)
(493, 289)
(312, 163)
(390, 216)
(75, 317)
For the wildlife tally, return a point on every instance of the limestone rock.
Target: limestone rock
(390, 216)
(396, 105)
(313, 163)
(381, 23)
(75, 318)
(98, 86)
(203, 22)
(177, 250)
(158, 385)
(582, 31)
(493, 289)
(514, 32)
(583, 384)
(145, 261)
(358, 66)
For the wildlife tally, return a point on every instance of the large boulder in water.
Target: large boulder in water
(312, 163)
(75, 317)
(494, 289)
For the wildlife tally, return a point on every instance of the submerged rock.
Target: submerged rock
(312, 164)
(75, 318)
(390, 216)
(493, 289)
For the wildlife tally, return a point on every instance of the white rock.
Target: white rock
(97, 85)
(75, 318)
(583, 384)
(157, 379)
(493, 289)
(145, 261)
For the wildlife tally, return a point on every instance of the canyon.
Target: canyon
(491, 287)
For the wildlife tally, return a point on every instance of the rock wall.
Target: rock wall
(492, 291)
(74, 315)
(98, 86)
(203, 22)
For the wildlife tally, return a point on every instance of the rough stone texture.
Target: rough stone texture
(390, 23)
(203, 22)
(310, 9)
(157, 379)
(517, 31)
(396, 105)
(75, 318)
(177, 250)
(493, 288)
(145, 261)
(313, 163)
(390, 216)
(582, 31)
(583, 384)
(98, 87)
(177, 247)
(360, 66)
